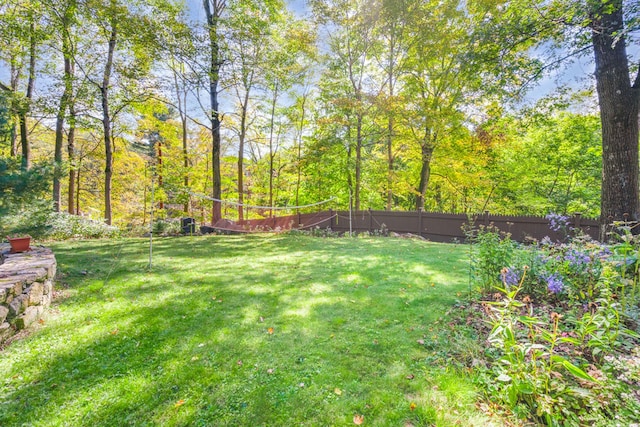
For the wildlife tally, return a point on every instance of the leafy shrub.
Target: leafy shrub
(20, 189)
(561, 315)
(493, 250)
(165, 227)
(62, 226)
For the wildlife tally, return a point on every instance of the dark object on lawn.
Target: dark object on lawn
(188, 225)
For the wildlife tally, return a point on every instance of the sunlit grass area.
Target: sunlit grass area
(245, 331)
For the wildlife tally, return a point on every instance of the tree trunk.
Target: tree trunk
(24, 131)
(71, 152)
(271, 153)
(243, 135)
(160, 181)
(299, 159)
(425, 173)
(390, 163)
(619, 106)
(65, 101)
(358, 177)
(15, 80)
(181, 95)
(390, 124)
(57, 156)
(106, 124)
(78, 189)
(185, 160)
(213, 15)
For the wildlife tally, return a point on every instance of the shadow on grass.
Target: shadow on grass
(189, 343)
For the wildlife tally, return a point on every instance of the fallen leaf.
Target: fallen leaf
(413, 406)
(421, 342)
(239, 362)
(213, 298)
(270, 371)
(194, 358)
(410, 376)
(114, 332)
(301, 385)
(337, 391)
(41, 321)
(270, 331)
(358, 419)
(179, 403)
(201, 345)
(261, 319)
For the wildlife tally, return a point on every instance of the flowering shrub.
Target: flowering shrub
(61, 226)
(563, 316)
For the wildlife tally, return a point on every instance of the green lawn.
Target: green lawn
(245, 331)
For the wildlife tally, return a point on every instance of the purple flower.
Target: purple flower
(558, 222)
(576, 258)
(554, 283)
(510, 277)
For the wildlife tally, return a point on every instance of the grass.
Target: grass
(245, 330)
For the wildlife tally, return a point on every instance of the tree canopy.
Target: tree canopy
(380, 104)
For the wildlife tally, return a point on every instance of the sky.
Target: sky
(196, 9)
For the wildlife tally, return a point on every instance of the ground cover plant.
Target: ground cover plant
(247, 330)
(561, 319)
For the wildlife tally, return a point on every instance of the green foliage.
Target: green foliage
(492, 251)
(19, 187)
(41, 223)
(63, 226)
(546, 162)
(561, 317)
(6, 118)
(167, 227)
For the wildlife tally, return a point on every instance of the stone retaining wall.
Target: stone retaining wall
(26, 288)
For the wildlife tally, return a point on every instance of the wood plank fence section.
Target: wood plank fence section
(438, 227)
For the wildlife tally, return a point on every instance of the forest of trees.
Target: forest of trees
(381, 104)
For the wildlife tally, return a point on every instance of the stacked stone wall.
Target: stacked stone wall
(26, 288)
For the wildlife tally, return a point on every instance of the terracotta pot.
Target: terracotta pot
(19, 244)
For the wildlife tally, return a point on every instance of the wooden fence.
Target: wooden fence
(438, 227)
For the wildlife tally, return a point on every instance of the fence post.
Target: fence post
(420, 210)
(486, 218)
(576, 220)
(331, 219)
(370, 221)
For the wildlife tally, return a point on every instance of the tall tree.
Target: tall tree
(63, 16)
(248, 46)
(619, 107)
(350, 26)
(602, 27)
(22, 34)
(390, 54)
(213, 10)
(112, 33)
